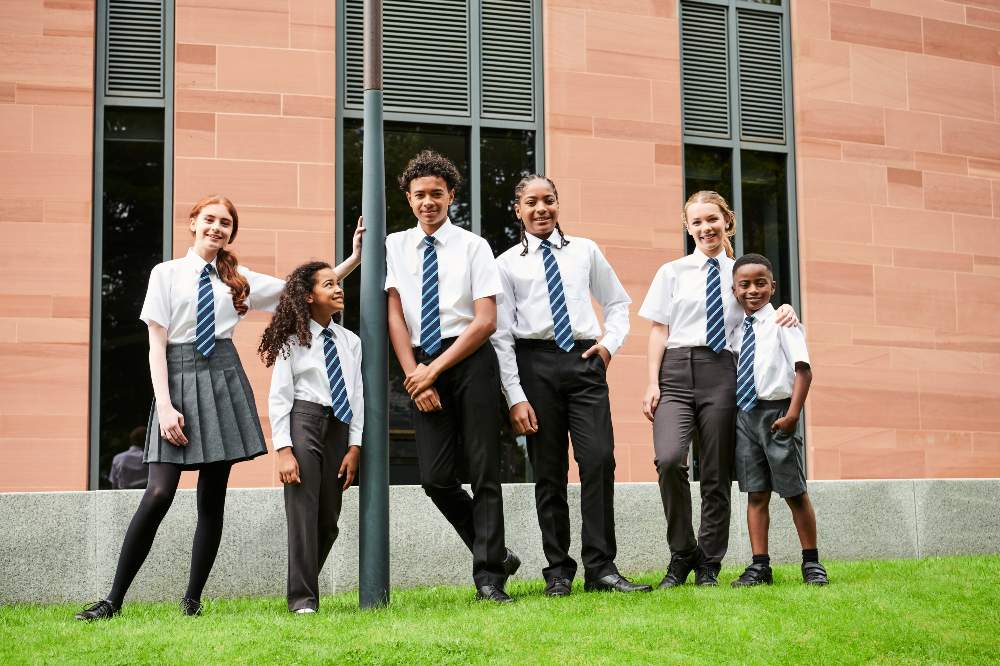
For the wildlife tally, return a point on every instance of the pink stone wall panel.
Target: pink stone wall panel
(254, 96)
(613, 146)
(46, 153)
(897, 111)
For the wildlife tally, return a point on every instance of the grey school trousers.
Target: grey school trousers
(312, 507)
(697, 392)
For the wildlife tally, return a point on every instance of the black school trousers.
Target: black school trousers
(466, 427)
(570, 396)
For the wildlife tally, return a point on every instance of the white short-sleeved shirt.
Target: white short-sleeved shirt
(172, 297)
(524, 311)
(776, 351)
(466, 272)
(302, 376)
(677, 298)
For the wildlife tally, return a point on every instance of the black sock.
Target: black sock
(810, 555)
(764, 559)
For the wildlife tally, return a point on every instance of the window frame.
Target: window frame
(736, 145)
(475, 122)
(101, 101)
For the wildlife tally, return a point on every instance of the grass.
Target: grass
(941, 610)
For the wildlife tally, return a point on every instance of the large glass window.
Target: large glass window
(131, 238)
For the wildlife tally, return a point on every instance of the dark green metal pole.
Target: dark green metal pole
(374, 557)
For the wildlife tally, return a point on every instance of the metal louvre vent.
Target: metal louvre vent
(761, 76)
(135, 51)
(422, 74)
(704, 70)
(507, 60)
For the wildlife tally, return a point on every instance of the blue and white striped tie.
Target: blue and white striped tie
(338, 389)
(430, 305)
(561, 327)
(746, 391)
(715, 331)
(204, 336)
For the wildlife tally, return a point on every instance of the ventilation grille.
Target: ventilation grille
(135, 48)
(704, 70)
(425, 56)
(507, 60)
(762, 77)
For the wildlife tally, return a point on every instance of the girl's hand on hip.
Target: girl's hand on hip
(171, 425)
(288, 466)
(349, 467)
(785, 316)
(650, 400)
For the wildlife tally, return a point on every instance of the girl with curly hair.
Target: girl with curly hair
(203, 416)
(317, 409)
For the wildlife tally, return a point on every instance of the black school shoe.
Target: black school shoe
(190, 607)
(511, 563)
(559, 587)
(707, 575)
(814, 573)
(615, 583)
(102, 610)
(755, 574)
(494, 593)
(681, 565)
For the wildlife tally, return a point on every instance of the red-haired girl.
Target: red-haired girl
(203, 416)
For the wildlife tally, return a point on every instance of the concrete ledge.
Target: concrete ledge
(64, 546)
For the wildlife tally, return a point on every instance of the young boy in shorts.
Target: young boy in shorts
(773, 377)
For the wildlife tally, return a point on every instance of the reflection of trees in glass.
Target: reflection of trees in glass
(506, 156)
(131, 244)
(765, 213)
(707, 168)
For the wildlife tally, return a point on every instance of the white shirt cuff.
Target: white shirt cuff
(612, 344)
(515, 394)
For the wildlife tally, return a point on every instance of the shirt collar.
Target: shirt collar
(534, 242)
(699, 258)
(441, 236)
(197, 263)
(317, 330)
(763, 314)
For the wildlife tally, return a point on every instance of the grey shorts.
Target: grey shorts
(768, 460)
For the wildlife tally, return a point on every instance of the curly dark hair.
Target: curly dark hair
(292, 315)
(430, 163)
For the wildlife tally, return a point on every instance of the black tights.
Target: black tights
(163, 480)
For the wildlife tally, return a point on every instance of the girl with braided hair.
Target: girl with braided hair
(553, 370)
(316, 408)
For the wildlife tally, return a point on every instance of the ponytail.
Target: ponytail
(226, 263)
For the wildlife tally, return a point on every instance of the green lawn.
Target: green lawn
(903, 612)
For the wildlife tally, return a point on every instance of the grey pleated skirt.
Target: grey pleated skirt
(215, 397)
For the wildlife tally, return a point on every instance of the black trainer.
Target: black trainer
(814, 573)
(707, 574)
(755, 574)
(190, 607)
(102, 610)
(681, 565)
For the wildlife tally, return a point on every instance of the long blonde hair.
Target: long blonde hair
(710, 197)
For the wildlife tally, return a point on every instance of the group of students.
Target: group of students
(463, 324)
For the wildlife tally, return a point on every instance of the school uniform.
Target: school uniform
(540, 361)
(697, 391)
(316, 407)
(438, 280)
(211, 391)
(767, 460)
